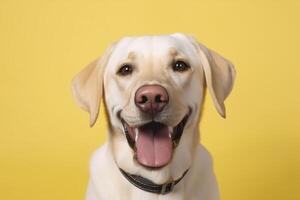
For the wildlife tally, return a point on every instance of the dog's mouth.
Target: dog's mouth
(154, 142)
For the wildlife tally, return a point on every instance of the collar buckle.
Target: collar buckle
(167, 187)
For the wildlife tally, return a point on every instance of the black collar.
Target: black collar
(147, 185)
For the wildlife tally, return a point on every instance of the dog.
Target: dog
(153, 89)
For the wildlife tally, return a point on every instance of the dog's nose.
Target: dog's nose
(151, 98)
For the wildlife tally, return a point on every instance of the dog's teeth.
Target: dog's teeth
(136, 134)
(170, 131)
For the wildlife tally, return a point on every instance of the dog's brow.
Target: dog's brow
(173, 52)
(131, 55)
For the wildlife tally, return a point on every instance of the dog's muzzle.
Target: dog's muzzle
(153, 142)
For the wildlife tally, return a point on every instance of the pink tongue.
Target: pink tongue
(154, 146)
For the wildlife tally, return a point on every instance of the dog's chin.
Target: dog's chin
(153, 143)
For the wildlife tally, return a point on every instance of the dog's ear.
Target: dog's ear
(219, 74)
(87, 85)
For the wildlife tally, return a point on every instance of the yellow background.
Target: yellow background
(45, 140)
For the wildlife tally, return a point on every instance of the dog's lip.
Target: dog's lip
(142, 123)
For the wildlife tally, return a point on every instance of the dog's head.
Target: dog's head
(153, 89)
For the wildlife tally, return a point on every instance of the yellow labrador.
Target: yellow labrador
(153, 88)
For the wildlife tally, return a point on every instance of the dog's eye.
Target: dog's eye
(125, 70)
(180, 66)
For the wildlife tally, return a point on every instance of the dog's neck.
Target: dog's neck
(148, 186)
